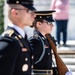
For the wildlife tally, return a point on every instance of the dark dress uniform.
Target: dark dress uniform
(42, 53)
(37, 45)
(15, 54)
(41, 49)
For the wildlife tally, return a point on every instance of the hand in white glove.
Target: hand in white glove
(69, 72)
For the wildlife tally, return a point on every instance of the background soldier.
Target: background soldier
(41, 48)
(15, 54)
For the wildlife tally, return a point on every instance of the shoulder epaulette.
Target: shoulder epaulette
(8, 33)
(34, 37)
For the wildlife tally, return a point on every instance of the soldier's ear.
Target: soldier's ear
(14, 12)
(39, 23)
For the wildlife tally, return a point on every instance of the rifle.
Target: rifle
(61, 67)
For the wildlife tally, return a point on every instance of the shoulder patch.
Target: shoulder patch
(36, 36)
(8, 32)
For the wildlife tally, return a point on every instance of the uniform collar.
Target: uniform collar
(18, 29)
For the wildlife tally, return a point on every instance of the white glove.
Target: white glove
(69, 72)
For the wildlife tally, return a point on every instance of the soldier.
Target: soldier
(42, 62)
(41, 49)
(15, 53)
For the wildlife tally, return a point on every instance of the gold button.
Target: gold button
(25, 67)
(48, 53)
(32, 57)
(32, 66)
(26, 59)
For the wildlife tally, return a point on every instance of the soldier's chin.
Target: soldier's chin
(31, 26)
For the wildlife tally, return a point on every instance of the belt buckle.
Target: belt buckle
(46, 71)
(50, 72)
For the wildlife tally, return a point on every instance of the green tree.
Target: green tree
(1, 16)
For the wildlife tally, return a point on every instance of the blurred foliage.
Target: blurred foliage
(1, 16)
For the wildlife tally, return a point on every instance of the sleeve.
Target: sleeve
(8, 45)
(9, 52)
(37, 48)
(5, 45)
(35, 44)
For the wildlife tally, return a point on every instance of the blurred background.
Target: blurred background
(40, 5)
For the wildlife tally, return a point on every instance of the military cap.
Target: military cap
(46, 15)
(25, 3)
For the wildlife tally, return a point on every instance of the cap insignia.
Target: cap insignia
(40, 16)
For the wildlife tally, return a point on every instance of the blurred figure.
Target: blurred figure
(15, 51)
(61, 17)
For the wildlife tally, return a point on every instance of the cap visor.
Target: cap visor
(44, 12)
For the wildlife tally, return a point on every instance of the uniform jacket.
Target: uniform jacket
(15, 54)
(45, 61)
